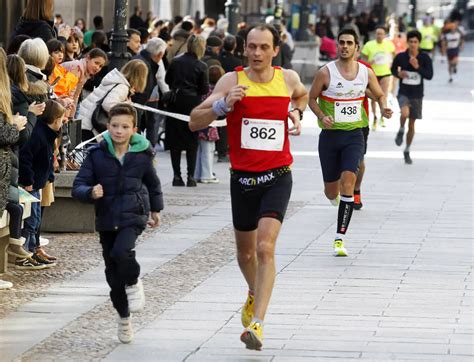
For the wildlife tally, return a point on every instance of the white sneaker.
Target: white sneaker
(210, 180)
(5, 284)
(339, 249)
(125, 330)
(135, 297)
(43, 241)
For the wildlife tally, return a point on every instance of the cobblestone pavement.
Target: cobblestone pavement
(76, 253)
(404, 293)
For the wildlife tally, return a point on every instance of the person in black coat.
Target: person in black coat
(136, 20)
(151, 56)
(37, 22)
(227, 58)
(187, 76)
(115, 176)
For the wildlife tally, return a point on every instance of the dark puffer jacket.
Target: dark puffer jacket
(36, 157)
(126, 202)
(35, 29)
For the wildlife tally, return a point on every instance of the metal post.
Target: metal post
(119, 55)
(304, 21)
(413, 13)
(382, 12)
(350, 7)
(232, 13)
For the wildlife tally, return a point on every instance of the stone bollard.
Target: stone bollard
(67, 214)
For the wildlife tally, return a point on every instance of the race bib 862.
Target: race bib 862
(262, 134)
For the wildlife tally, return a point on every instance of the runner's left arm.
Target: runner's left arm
(374, 87)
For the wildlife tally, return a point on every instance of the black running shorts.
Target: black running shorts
(257, 195)
(365, 132)
(340, 151)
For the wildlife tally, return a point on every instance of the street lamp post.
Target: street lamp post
(413, 13)
(382, 12)
(232, 11)
(350, 7)
(304, 21)
(119, 55)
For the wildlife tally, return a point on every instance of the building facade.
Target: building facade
(250, 10)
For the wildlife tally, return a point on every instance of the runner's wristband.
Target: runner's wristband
(220, 107)
(300, 112)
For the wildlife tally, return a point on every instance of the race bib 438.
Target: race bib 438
(262, 134)
(347, 111)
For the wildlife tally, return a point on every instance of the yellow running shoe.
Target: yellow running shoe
(339, 249)
(374, 125)
(253, 336)
(247, 311)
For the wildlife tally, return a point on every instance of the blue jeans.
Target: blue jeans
(32, 224)
(205, 159)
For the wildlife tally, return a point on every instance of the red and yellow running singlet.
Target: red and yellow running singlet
(258, 125)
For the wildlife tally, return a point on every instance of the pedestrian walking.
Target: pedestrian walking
(113, 177)
(255, 101)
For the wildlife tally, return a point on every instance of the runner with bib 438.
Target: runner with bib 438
(340, 88)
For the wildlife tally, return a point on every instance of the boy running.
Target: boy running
(113, 177)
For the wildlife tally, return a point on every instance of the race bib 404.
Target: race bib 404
(347, 111)
(262, 134)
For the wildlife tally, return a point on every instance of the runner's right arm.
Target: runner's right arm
(226, 89)
(320, 82)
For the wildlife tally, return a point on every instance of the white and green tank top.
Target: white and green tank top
(342, 100)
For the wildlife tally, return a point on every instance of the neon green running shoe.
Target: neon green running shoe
(336, 201)
(253, 336)
(247, 311)
(339, 249)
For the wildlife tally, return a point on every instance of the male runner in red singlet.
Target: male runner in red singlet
(256, 100)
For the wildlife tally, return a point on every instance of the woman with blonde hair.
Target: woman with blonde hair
(37, 21)
(19, 86)
(116, 87)
(188, 78)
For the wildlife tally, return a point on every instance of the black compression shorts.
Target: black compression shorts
(256, 195)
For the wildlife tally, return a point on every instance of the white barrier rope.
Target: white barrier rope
(181, 117)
